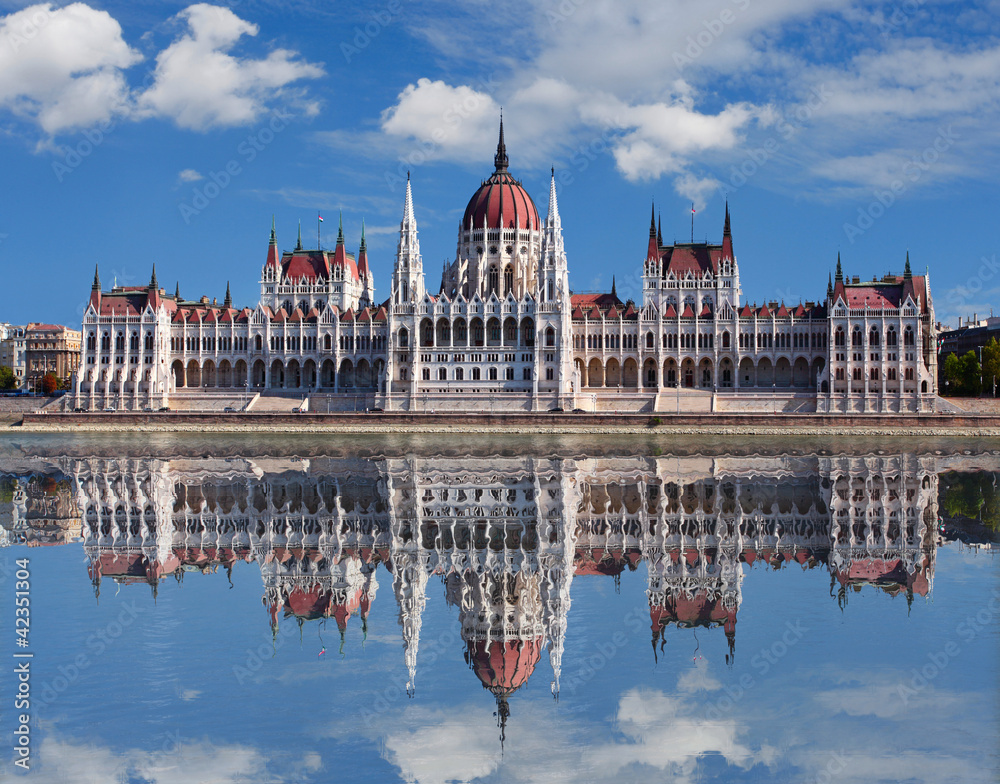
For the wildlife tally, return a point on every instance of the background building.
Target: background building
(50, 348)
(12, 351)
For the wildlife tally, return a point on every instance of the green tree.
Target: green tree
(991, 364)
(7, 378)
(971, 373)
(952, 376)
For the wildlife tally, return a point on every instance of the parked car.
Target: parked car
(228, 410)
(555, 410)
(296, 410)
(376, 410)
(165, 408)
(109, 410)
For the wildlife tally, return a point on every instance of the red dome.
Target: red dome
(501, 201)
(503, 665)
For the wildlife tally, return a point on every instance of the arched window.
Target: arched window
(91, 341)
(442, 374)
(725, 339)
(908, 337)
(258, 343)
(890, 337)
(508, 280)
(649, 340)
(475, 374)
(550, 337)
(459, 374)
(873, 337)
(133, 342)
(493, 374)
(405, 292)
(404, 337)
(838, 337)
(149, 341)
(493, 280)
(857, 339)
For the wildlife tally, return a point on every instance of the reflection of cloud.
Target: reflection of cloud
(177, 764)
(442, 746)
(190, 694)
(697, 679)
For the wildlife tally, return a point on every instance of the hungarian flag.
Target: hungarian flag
(692, 210)
(320, 218)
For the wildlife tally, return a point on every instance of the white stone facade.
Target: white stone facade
(504, 332)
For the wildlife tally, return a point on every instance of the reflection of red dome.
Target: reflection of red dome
(316, 603)
(501, 201)
(503, 665)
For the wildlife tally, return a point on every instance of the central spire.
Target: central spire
(500, 159)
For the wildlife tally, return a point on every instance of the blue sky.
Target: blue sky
(140, 132)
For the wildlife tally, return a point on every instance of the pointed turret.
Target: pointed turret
(500, 159)
(177, 292)
(907, 272)
(653, 248)
(552, 219)
(367, 288)
(408, 273)
(298, 242)
(659, 230)
(228, 302)
(829, 286)
(614, 292)
(95, 291)
(153, 291)
(727, 237)
(840, 271)
(273, 258)
(340, 229)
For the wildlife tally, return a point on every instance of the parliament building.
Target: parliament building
(504, 332)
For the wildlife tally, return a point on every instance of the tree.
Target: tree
(971, 374)
(7, 378)
(952, 379)
(991, 364)
(49, 383)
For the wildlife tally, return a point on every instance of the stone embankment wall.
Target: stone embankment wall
(401, 422)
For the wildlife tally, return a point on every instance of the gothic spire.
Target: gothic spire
(97, 280)
(274, 238)
(152, 281)
(408, 219)
(614, 292)
(726, 230)
(340, 231)
(829, 285)
(552, 219)
(177, 292)
(228, 302)
(659, 230)
(298, 243)
(500, 160)
(364, 246)
(840, 272)
(652, 221)
(907, 272)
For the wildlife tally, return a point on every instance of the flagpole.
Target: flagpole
(692, 223)
(319, 220)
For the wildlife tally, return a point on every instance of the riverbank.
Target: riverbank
(970, 425)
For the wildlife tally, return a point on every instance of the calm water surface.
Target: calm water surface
(506, 609)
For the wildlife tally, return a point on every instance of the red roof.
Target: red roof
(698, 259)
(688, 311)
(316, 264)
(503, 665)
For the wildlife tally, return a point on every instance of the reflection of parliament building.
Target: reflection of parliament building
(508, 535)
(503, 330)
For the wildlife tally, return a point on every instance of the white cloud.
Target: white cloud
(189, 175)
(199, 85)
(457, 123)
(62, 68)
